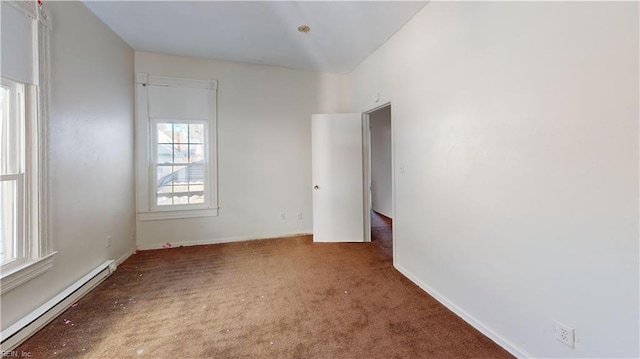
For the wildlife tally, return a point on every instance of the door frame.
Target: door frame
(366, 175)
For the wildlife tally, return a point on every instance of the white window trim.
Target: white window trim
(147, 210)
(40, 262)
(16, 276)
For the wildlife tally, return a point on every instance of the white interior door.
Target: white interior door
(337, 172)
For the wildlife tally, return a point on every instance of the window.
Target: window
(180, 163)
(22, 232)
(24, 91)
(176, 162)
(12, 171)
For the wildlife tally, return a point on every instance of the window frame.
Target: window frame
(146, 145)
(37, 253)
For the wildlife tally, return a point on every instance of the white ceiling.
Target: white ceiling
(343, 33)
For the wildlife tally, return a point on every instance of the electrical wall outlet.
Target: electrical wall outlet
(283, 216)
(109, 241)
(299, 216)
(565, 334)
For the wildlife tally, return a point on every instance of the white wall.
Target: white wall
(264, 152)
(91, 154)
(517, 124)
(381, 190)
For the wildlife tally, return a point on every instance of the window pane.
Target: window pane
(180, 143)
(172, 185)
(196, 173)
(4, 131)
(196, 133)
(8, 220)
(196, 192)
(196, 153)
(181, 187)
(180, 175)
(180, 133)
(165, 176)
(181, 198)
(165, 132)
(11, 129)
(170, 175)
(164, 195)
(196, 198)
(165, 153)
(181, 153)
(164, 200)
(195, 188)
(4, 96)
(196, 183)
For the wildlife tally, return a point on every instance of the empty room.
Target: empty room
(319, 179)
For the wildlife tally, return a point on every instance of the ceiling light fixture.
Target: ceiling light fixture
(304, 28)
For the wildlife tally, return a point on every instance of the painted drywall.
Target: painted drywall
(517, 124)
(381, 170)
(264, 151)
(91, 154)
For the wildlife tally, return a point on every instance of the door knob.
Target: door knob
(316, 187)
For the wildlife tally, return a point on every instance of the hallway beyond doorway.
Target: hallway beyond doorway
(381, 232)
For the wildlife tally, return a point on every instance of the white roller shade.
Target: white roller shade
(16, 44)
(178, 102)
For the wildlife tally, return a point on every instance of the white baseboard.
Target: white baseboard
(481, 327)
(20, 331)
(219, 240)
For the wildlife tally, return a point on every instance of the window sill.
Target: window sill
(16, 276)
(192, 213)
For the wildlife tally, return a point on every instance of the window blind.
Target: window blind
(17, 44)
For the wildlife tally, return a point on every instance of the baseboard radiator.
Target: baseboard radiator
(17, 333)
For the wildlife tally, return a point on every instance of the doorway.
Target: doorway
(352, 176)
(379, 178)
